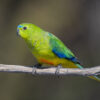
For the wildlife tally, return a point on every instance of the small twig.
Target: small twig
(50, 71)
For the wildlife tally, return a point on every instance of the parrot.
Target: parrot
(47, 48)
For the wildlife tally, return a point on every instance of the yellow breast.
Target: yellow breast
(64, 62)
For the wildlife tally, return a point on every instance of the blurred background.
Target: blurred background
(75, 22)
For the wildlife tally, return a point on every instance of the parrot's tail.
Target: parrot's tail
(92, 77)
(95, 78)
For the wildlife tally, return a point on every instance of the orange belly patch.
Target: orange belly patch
(64, 62)
(46, 61)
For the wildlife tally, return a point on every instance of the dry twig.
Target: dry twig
(50, 71)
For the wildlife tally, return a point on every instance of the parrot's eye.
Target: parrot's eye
(24, 28)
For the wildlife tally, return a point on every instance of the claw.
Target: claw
(34, 70)
(35, 67)
(57, 69)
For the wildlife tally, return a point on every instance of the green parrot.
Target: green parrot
(47, 48)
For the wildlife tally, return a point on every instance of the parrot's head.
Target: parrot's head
(26, 30)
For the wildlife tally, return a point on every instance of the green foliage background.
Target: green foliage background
(75, 22)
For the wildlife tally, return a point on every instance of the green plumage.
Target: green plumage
(46, 47)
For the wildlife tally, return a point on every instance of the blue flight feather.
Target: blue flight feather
(59, 54)
(62, 55)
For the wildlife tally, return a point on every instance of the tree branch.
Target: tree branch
(50, 71)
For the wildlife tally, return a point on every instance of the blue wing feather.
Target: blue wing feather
(61, 50)
(62, 55)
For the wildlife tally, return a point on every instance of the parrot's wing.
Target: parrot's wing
(60, 50)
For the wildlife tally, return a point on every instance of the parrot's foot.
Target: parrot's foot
(35, 67)
(34, 70)
(57, 69)
(38, 65)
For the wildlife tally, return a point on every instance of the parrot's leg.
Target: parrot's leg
(57, 69)
(38, 65)
(35, 67)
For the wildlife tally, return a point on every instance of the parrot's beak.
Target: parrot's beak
(18, 32)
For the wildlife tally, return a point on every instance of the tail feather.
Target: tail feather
(92, 77)
(95, 78)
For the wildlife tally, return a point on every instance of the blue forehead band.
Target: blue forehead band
(20, 26)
